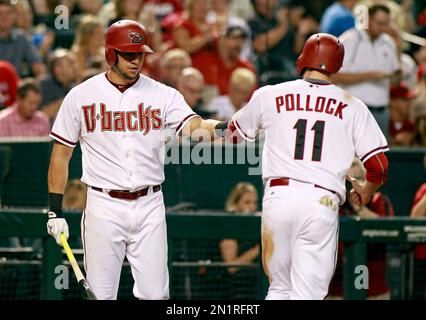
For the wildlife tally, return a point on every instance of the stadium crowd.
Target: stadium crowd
(236, 46)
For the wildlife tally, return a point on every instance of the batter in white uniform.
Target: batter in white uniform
(312, 130)
(119, 119)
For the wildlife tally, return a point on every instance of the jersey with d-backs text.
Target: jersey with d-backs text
(312, 132)
(121, 134)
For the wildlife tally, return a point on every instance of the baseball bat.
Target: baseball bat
(86, 292)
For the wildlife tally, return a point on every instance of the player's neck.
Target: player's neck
(316, 75)
(117, 79)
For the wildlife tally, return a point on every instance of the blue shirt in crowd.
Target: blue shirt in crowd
(337, 19)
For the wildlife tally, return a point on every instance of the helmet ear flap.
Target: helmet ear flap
(111, 56)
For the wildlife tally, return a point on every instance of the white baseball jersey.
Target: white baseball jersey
(312, 132)
(121, 134)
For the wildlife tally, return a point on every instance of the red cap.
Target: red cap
(125, 36)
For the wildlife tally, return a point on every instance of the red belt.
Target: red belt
(285, 182)
(128, 195)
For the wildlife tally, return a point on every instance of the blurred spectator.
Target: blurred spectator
(302, 21)
(242, 8)
(220, 14)
(243, 199)
(274, 42)
(420, 56)
(371, 60)
(83, 7)
(42, 7)
(419, 211)
(418, 112)
(89, 73)
(172, 64)
(197, 37)
(168, 25)
(401, 129)
(408, 65)
(107, 12)
(39, 36)
(400, 13)
(163, 8)
(190, 85)
(58, 82)
(230, 46)
(14, 45)
(420, 129)
(24, 119)
(241, 87)
(75, 195)
(8, 84)
(379, 207)
(88, 43)
(338, 17)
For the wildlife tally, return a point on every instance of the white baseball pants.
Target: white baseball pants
(299, 240)
(116, 228)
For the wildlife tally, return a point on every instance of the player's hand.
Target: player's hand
(358, 195)
(56, 226)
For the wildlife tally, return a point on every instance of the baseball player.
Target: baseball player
(119, 119)
(312, 131)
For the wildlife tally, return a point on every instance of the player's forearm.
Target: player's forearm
(201, 130)
(57, 176)
(419, 210)
(210, 126)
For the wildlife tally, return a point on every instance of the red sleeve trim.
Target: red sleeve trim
(183, 122)
(377, 169)
(382, 149)
(241, 132)
(63, 140)
(233, 134)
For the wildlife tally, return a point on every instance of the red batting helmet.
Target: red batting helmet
(126, 36)
(322, 51)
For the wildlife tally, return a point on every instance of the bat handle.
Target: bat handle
(71, 258)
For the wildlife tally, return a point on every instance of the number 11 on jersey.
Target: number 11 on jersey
(318, 129)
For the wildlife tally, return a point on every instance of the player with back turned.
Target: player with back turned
(312, 130)
(119, 119)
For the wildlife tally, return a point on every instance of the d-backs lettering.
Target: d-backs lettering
(292, 102)
(140, 119)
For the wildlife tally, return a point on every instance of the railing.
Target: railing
(190, 226)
